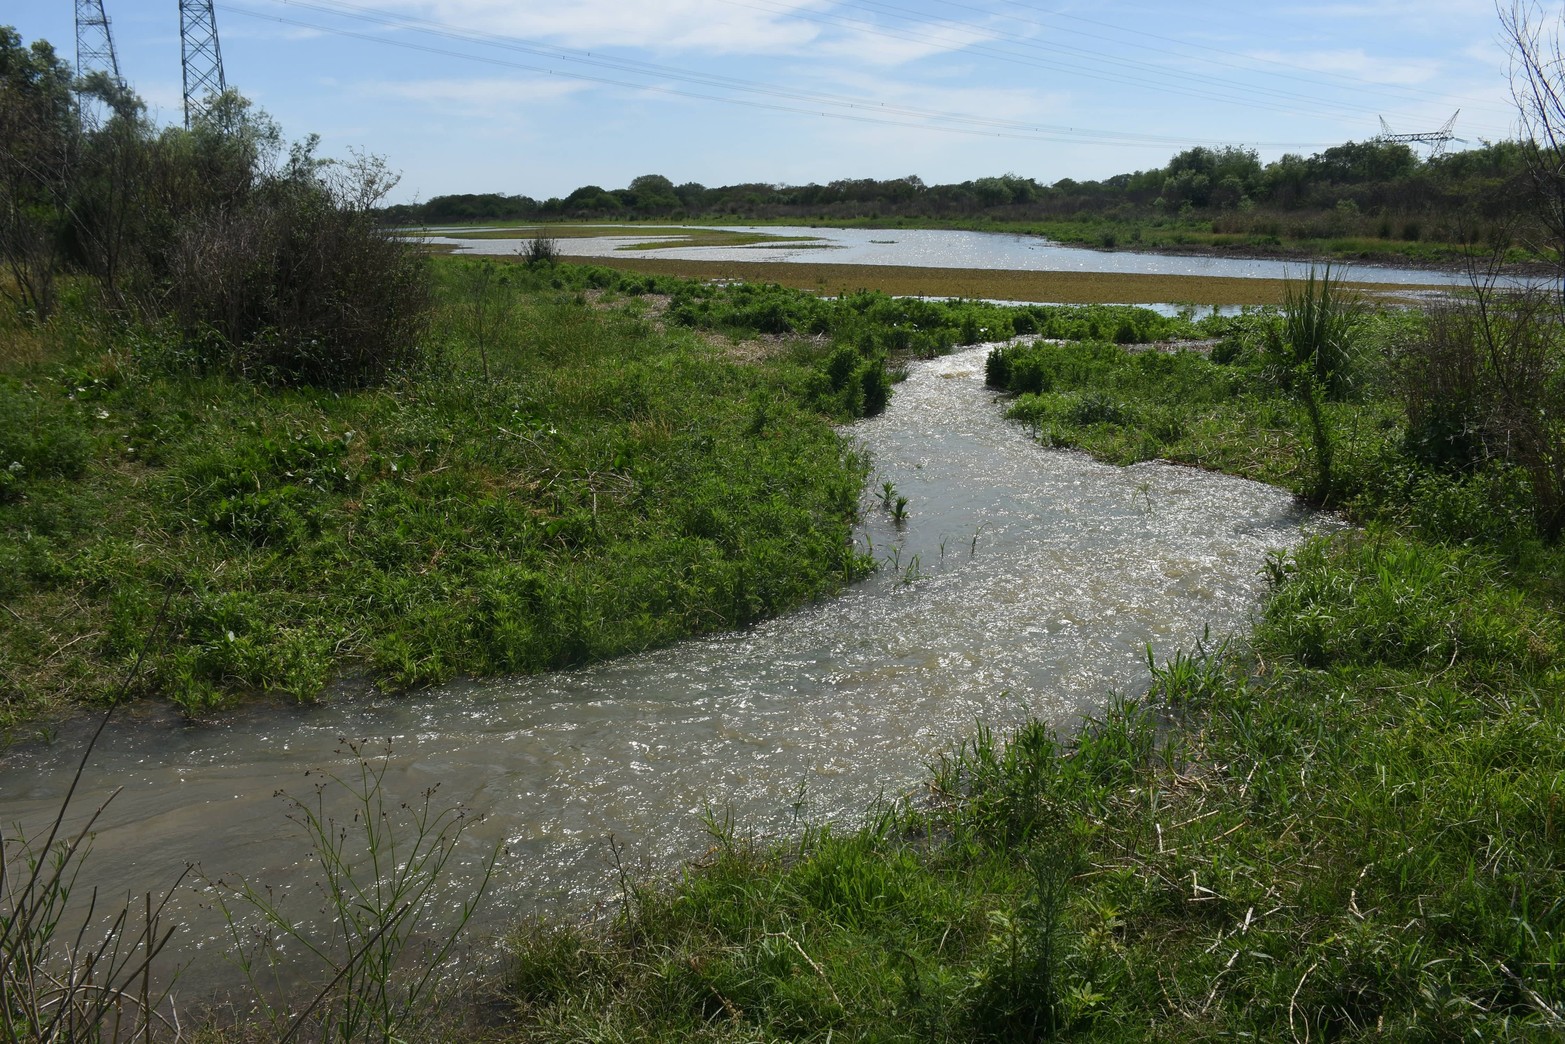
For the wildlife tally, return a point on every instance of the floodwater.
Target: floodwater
(937, 248)
(1024, 581)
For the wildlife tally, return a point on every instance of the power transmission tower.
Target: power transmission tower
(94, 42)
(202, 59)
(94, 54)
(1437, 140)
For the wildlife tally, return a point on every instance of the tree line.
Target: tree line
(1374, 178)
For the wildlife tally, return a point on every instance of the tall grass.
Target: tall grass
(609, 487)
(1312, 350)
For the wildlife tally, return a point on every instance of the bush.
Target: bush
(541, 250)
(299, 284)
(1487, 383)
(267, 261)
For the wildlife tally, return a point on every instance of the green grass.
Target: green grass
(1360, 837)
(611, 487)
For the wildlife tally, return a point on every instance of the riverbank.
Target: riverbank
(1344, 825)
(1168, 238)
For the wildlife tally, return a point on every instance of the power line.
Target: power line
(862, 110)
(1316, 77)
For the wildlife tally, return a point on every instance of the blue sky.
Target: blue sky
(539, 98)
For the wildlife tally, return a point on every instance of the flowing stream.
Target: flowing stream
(1023, 581)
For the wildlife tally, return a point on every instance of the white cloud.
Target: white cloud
(868, 46)
(667, 25)
(986, 102)
(476, 98)
(1359, 64)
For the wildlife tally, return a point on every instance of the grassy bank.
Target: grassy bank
(1081, 287)
(584, 463)
(1346, 825)
(562, 480)
(1311, 236)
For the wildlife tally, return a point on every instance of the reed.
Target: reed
(385, 869)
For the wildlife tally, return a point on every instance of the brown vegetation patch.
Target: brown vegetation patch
(1042, 287)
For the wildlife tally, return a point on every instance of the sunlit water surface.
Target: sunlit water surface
(940, 248)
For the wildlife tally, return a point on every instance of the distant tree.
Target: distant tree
(40, 137)
(1188, 187)
(1201, 176)
(692, 195)
(993, 192)
(653, 194)
(1355, 162)
(591, 200)
(1198, 160)
(1286, 179)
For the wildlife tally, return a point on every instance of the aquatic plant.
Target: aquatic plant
(1311, 352)
(384, 886)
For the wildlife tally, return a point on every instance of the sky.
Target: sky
(534, 98)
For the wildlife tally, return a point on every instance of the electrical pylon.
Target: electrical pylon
(94, 42)
(202, 59)
(94, 54)
(1437, 140)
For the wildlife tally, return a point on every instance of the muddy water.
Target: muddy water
(1024, 581)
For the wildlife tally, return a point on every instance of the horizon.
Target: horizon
(529, 99)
